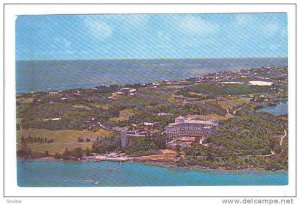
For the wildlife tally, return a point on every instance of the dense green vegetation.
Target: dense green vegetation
(106, 145)
(75, 154)
(220, 90)
(245, 138)
(242, 142)
(142, 146)
(137, 146)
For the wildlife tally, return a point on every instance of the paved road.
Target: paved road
(282, 137)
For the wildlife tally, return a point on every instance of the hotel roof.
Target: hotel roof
(202, 122)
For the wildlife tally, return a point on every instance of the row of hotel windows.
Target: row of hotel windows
(189, 130)
(192, 125)
(186, 133)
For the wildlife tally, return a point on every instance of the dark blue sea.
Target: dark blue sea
(69, 74)
(112, 174)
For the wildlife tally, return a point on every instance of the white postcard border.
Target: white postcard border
(11, 188)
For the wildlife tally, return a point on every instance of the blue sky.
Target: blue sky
(148, 36)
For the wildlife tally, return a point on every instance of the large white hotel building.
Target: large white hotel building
(185, 127)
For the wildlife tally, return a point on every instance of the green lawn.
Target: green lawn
(62, 139)
(124, 115)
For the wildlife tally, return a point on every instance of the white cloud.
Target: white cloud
(133, 22)
(137, 20)
(61, 43)
(196, 25)
(267, 26)
(97, 28)
(66, 43)
(274, 47)
(244, 19)
(272, 28)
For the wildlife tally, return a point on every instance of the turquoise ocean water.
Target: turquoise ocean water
(111, 174)
(279, 109)
(60, 75)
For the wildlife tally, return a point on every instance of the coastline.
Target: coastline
(189, 75)
(164, 159)
(112, 174)
(155, 163)
(273, 106)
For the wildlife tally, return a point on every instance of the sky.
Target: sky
(151, 36)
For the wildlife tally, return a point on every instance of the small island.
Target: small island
(213, 121)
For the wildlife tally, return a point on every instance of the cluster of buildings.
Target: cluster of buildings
(183, 132)
(185, 100)
(252, 77)
(189, 127)
(182, 142)
(123, 91)
(191, 100)
(186, 131)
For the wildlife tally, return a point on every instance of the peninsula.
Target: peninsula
(213, 121)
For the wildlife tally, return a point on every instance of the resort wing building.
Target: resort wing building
(185, 127)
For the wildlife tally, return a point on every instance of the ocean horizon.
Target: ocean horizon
(49, 75)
